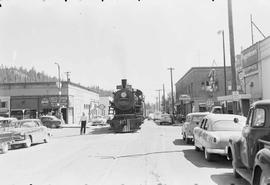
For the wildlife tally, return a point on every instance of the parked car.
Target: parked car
(213, 134)
(150, 116)
(157, 116)
(6, 136)
(29, 131)
(250, 152)
(192, 121)
(217, 110)
(98, 120)
(51, 121)
(165, 119)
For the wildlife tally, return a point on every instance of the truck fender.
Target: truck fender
(235, 153)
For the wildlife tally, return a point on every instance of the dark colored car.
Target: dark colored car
(51, 121)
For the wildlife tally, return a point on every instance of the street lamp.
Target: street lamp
(224, 62)
(59, 87)
(158, 99)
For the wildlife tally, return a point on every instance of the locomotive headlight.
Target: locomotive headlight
(123, 94)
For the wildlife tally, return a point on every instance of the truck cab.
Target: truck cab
(244, 150)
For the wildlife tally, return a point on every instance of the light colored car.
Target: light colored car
(192, 121)
(214, 131)
(29, 131)
(165, 119)
(157, 116)
(98, 120)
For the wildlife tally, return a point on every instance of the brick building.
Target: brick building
(32, 99)
(199, 88)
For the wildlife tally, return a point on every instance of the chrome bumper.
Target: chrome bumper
(216, 151)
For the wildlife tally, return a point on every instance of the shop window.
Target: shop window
(3, 104)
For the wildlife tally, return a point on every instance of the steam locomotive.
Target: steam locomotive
(127, 107)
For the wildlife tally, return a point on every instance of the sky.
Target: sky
(102, 42)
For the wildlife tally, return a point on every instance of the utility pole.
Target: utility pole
(158, 99)
(163, 99)
(232, 52)
(170, 68)
(224, 62)
(59, 88)
(68, 75)
(251, 27)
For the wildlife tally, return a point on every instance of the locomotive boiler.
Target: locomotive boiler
(127, 108)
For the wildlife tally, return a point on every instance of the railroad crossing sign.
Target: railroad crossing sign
(101, 106)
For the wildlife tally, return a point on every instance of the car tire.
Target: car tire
(208, 156)
(28, 142)
(188, 140)
(4, 148)
(46, 139)
(184, 136)
(236, 174)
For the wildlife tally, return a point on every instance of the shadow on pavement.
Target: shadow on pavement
(197, 158)
(101, 130)
(180, 142)
(137, 155)
(228, 179)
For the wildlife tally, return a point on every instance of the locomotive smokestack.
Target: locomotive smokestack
(124, 83)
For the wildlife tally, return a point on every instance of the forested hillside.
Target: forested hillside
(20, 74)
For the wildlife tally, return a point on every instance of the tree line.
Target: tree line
(15, 74)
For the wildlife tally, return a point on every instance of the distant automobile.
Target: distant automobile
(6, 122)
(51, 121)
(192, 121)
(157, 116)
(98, 120)
(29, 131)
(151, 116)
(213, 134)
(217, 110)
(165, 119)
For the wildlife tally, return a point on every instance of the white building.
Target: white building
(255, 71)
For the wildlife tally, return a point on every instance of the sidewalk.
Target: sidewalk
(75, 125)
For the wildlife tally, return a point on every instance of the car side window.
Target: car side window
(258, 117)
(28, 124)
(201, 124)
(205, 125)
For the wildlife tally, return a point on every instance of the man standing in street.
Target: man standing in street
(83, 122)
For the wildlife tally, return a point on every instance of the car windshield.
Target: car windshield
(227, 125)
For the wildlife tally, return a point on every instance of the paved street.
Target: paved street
(155, 155)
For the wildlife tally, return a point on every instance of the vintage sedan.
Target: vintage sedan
(192, 121)
(165, 119)
(98, 120)
(51, 121)
(214, 131)
(29, 131)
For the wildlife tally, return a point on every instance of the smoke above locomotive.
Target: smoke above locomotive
(127, 107)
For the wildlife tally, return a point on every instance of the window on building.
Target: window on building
(3, 104)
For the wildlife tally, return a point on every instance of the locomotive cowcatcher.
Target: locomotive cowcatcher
(127, 107)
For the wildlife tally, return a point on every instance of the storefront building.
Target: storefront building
(4, 106)
(198, 89)
(31, 100)
(254, 70)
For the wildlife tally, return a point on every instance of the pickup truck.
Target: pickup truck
(250, 154)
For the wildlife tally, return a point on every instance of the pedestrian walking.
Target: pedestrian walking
(83, 122)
